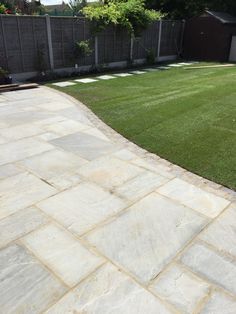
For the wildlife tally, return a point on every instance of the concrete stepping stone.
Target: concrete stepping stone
(63, 84)
(185, 63)
(86, 80)
(105, 77)
(151, 69)
(175, 65)
(123, 74)
(137, 72)
(163, 68)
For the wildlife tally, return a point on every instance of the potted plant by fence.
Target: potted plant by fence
(4, 77)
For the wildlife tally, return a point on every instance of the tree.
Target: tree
(22, 6)
(178, 9)
(76, 6)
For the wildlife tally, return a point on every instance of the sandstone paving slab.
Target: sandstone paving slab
(20, 223)
(20, 191)
(22, 117)
(97, 133)
(219, 304)
(9, 170)
(109, 291)
(109, 172)
(66, 127)
(194, 197)
(21, 149)
(20, 131)
(85, 145)
(222, 232)
(147, 236)
(216, 268)
(156, 167)
(56, 167)
(64, 84)
(55, 105)
(81, 208)
(141, 185)
(86, 80)
(180, 288)
(75, 113)
(47, 136)
(25, 285)
(125, 154)
(62, 253)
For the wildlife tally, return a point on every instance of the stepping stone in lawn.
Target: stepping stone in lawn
(185, 63)
(105, 77)
(137, 72)
(175, 65)
(151, 69)
(63, 84)
(123, 74)
(86, 80)
(163, 68)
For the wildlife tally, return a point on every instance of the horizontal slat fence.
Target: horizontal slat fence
(30, 43)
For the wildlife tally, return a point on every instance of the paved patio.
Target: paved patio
(90, 223)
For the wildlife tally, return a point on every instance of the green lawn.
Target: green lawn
(185, 116)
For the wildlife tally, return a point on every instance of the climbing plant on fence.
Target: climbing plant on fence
(129, 14)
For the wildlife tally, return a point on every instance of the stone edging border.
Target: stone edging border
(176, 170)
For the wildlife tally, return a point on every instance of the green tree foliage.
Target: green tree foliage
(76, 6)
(130, 14)
(22, 6)
(188, 8)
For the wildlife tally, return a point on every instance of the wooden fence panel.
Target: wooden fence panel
(25, 42)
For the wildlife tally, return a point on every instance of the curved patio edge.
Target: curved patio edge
(175, 170)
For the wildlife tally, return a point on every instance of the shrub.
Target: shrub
(82, 49)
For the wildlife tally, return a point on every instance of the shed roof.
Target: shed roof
(224, 18)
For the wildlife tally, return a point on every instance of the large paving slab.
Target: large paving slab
(216, 268)
(90, 223)
(26, 286)
(109, 291)
(145, 238)
(20, 191)
(83, 207)
(55, 248)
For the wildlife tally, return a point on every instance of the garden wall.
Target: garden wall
(30, 43)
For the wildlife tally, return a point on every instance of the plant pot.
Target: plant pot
(8, 80)
(5, 80)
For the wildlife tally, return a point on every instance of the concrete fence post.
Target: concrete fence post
(159, 41)
(49, 35)
(131, 47)
(96, 50)
(4, 43)
(20, 43)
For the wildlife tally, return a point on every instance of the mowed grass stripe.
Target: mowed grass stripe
(187, 117)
